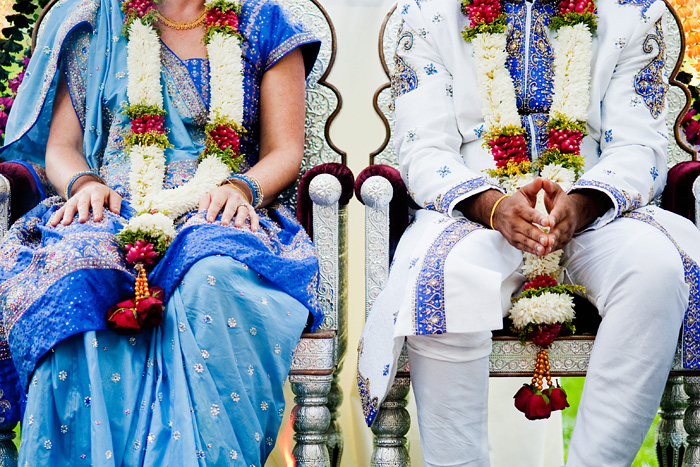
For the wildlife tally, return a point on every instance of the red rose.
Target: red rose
(150, 310)
(122, 318)
(522, 396)
(557, 398)
(544, 336)
(537, 407)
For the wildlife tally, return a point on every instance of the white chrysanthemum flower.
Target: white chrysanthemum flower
(534, 266)
(181, 200)
(572, 72)
(495, 84)
(548, 308)
(226, 74)
(513, 184)
(556, 173)
(156, 224)
(143, 64)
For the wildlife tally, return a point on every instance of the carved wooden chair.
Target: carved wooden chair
(319, 197)
(380, 188)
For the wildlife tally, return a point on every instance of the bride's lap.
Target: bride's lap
(205, 388)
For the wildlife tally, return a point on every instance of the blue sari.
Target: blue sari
(205, 388)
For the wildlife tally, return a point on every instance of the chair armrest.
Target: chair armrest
(304, 203)
(5, 200)
(398, 203)
(376, 193)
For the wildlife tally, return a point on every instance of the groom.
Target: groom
(460, 262)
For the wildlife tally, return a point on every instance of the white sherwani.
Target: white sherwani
(451, 275)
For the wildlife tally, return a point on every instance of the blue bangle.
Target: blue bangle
(75, 177)
(254, 186)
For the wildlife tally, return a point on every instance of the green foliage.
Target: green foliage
(496, 26)
(562, 122)
(227, 156)
(558, 289)
(148, 139)
(139, 110)
(223, 30)
(15, 37)
(574, 162)
(572, 18)
(149, 18)
(129, 236)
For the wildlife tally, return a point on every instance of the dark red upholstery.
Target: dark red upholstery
(24, 192)
(678, 194)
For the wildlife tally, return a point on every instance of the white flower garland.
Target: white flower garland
(571, 94)
(496, 89)
(144, 88)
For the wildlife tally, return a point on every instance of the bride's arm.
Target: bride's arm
(282, 114)
(64, 159)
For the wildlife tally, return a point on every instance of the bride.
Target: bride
(167, 130)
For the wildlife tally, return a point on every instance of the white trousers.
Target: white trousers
(635, 277)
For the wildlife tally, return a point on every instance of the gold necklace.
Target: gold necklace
(167, 22)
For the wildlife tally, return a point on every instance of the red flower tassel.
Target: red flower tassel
(508, 149)
(576, 6)
(483, 11)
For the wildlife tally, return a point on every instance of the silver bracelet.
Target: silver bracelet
(75, 177)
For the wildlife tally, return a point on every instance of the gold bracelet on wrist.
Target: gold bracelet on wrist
(234, 185)
(493, 209)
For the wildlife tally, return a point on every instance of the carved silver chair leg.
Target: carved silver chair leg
(691, 422)
(312, 419)
(391, 425)
(4, 206)
(334, 441)
(8, 451)
(670, 434)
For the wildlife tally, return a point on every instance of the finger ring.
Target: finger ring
(247, 205)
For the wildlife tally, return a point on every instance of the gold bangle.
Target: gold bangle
(233, 185)
(493, 209)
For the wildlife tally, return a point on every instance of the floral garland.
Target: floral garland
(147, 235)
(545, 306)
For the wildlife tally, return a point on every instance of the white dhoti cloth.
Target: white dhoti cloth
(633, 273)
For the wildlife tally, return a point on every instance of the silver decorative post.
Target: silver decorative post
(393, 420)
(691, 422)
(312, 420)
(8, 451)
(391, 425)
(4, 206)
(376, 194)
(334, 440)
(670, 435)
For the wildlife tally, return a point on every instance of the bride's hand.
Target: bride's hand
(233, 203)
(90, 194)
